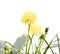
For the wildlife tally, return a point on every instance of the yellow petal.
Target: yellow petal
(35, 29)
(29, 17)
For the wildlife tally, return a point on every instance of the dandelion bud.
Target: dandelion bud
(46, 30)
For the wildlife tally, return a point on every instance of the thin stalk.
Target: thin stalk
(42, 41)
(30, 42)
(48, 46)
(52, 46)
(39, 46)
(26, 45)
(27, 39)
(58, 44)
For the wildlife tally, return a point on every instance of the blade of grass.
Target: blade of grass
(52, 46)
(48, 46)
(15, 48)
(58, 44)
(30, 42)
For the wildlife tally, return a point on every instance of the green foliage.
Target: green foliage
(37, 48)
(7, 50)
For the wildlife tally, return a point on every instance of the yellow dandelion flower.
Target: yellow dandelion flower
(35, 29)
(29, 17)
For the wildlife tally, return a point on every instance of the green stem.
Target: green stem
(26, 45)
(48, 46)
(52, 46)
(27, 40)
(40, 43)
(39, 46)
(58, 44)
(30, 42)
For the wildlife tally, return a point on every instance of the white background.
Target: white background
(47, 11)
